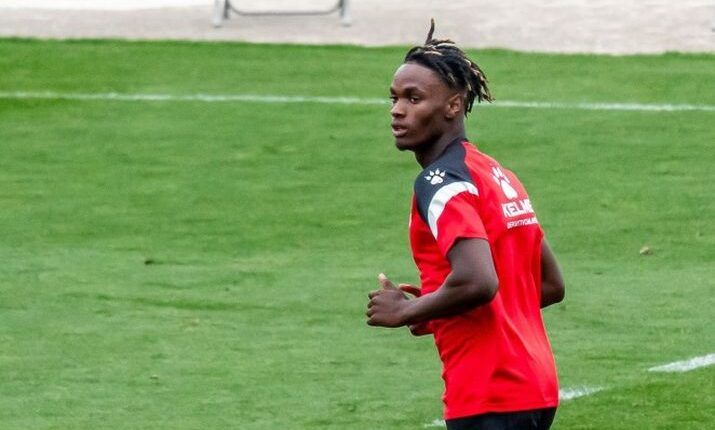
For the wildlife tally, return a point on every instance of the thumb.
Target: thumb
(385, 283)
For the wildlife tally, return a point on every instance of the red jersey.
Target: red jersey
(496, 357)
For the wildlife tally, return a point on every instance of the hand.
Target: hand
(387, 305)
(420, 328)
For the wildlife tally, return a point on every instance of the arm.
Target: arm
(552, 284)
(473, 282)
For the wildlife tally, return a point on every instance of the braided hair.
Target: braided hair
(453, 67)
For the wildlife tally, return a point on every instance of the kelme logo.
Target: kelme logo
(435, 177)
(501, 179)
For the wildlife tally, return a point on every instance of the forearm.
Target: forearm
(472, 282)
(552, 283)
(454, 297)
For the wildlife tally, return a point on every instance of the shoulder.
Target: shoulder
(443, 179)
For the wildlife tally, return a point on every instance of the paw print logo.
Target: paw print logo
(503, 182)
(435, 177)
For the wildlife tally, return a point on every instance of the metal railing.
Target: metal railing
(223, 9)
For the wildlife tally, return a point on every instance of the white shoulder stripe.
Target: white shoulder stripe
(440, 199)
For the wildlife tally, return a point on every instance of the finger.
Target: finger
(419, 329)
(374, 293)
(410, 289)
(384, 282)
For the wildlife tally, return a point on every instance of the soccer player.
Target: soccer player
(485, 268)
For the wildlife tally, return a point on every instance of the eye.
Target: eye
(393, 99)
(414, 99)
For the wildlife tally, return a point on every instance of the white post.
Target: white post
(218, 13)
(345, 13)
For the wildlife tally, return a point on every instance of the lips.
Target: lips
(399, 130)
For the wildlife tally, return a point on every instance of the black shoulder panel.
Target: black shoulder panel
(447, 169)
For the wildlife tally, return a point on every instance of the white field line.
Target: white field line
(565, 394)
(685, 365)
(576, 392)
(217, 98)
(436, 423)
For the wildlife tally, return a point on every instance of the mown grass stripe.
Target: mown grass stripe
(217, 98)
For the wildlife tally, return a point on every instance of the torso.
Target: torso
(496, 358)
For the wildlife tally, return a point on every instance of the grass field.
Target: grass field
(193, 265)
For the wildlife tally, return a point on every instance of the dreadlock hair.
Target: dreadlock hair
(452, 66)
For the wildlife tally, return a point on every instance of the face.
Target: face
(421, 109)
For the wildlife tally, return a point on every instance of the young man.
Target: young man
(485, 268)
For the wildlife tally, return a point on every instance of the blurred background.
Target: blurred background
(193, 208)
(598, 26)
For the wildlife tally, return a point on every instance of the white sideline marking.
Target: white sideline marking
(685, 365)
(215, 98)
(564, 394)
(606, 106)
(576, 392)
(208, 98)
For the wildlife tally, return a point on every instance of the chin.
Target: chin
(403, 145)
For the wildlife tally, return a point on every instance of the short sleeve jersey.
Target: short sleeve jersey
(496, 357)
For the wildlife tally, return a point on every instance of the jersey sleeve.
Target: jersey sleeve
(449, 208)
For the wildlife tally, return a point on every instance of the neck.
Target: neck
(426, 156)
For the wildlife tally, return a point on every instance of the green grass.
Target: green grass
(264, 226)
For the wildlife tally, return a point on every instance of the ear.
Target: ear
(455, 106)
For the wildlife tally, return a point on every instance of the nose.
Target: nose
(397, 109)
